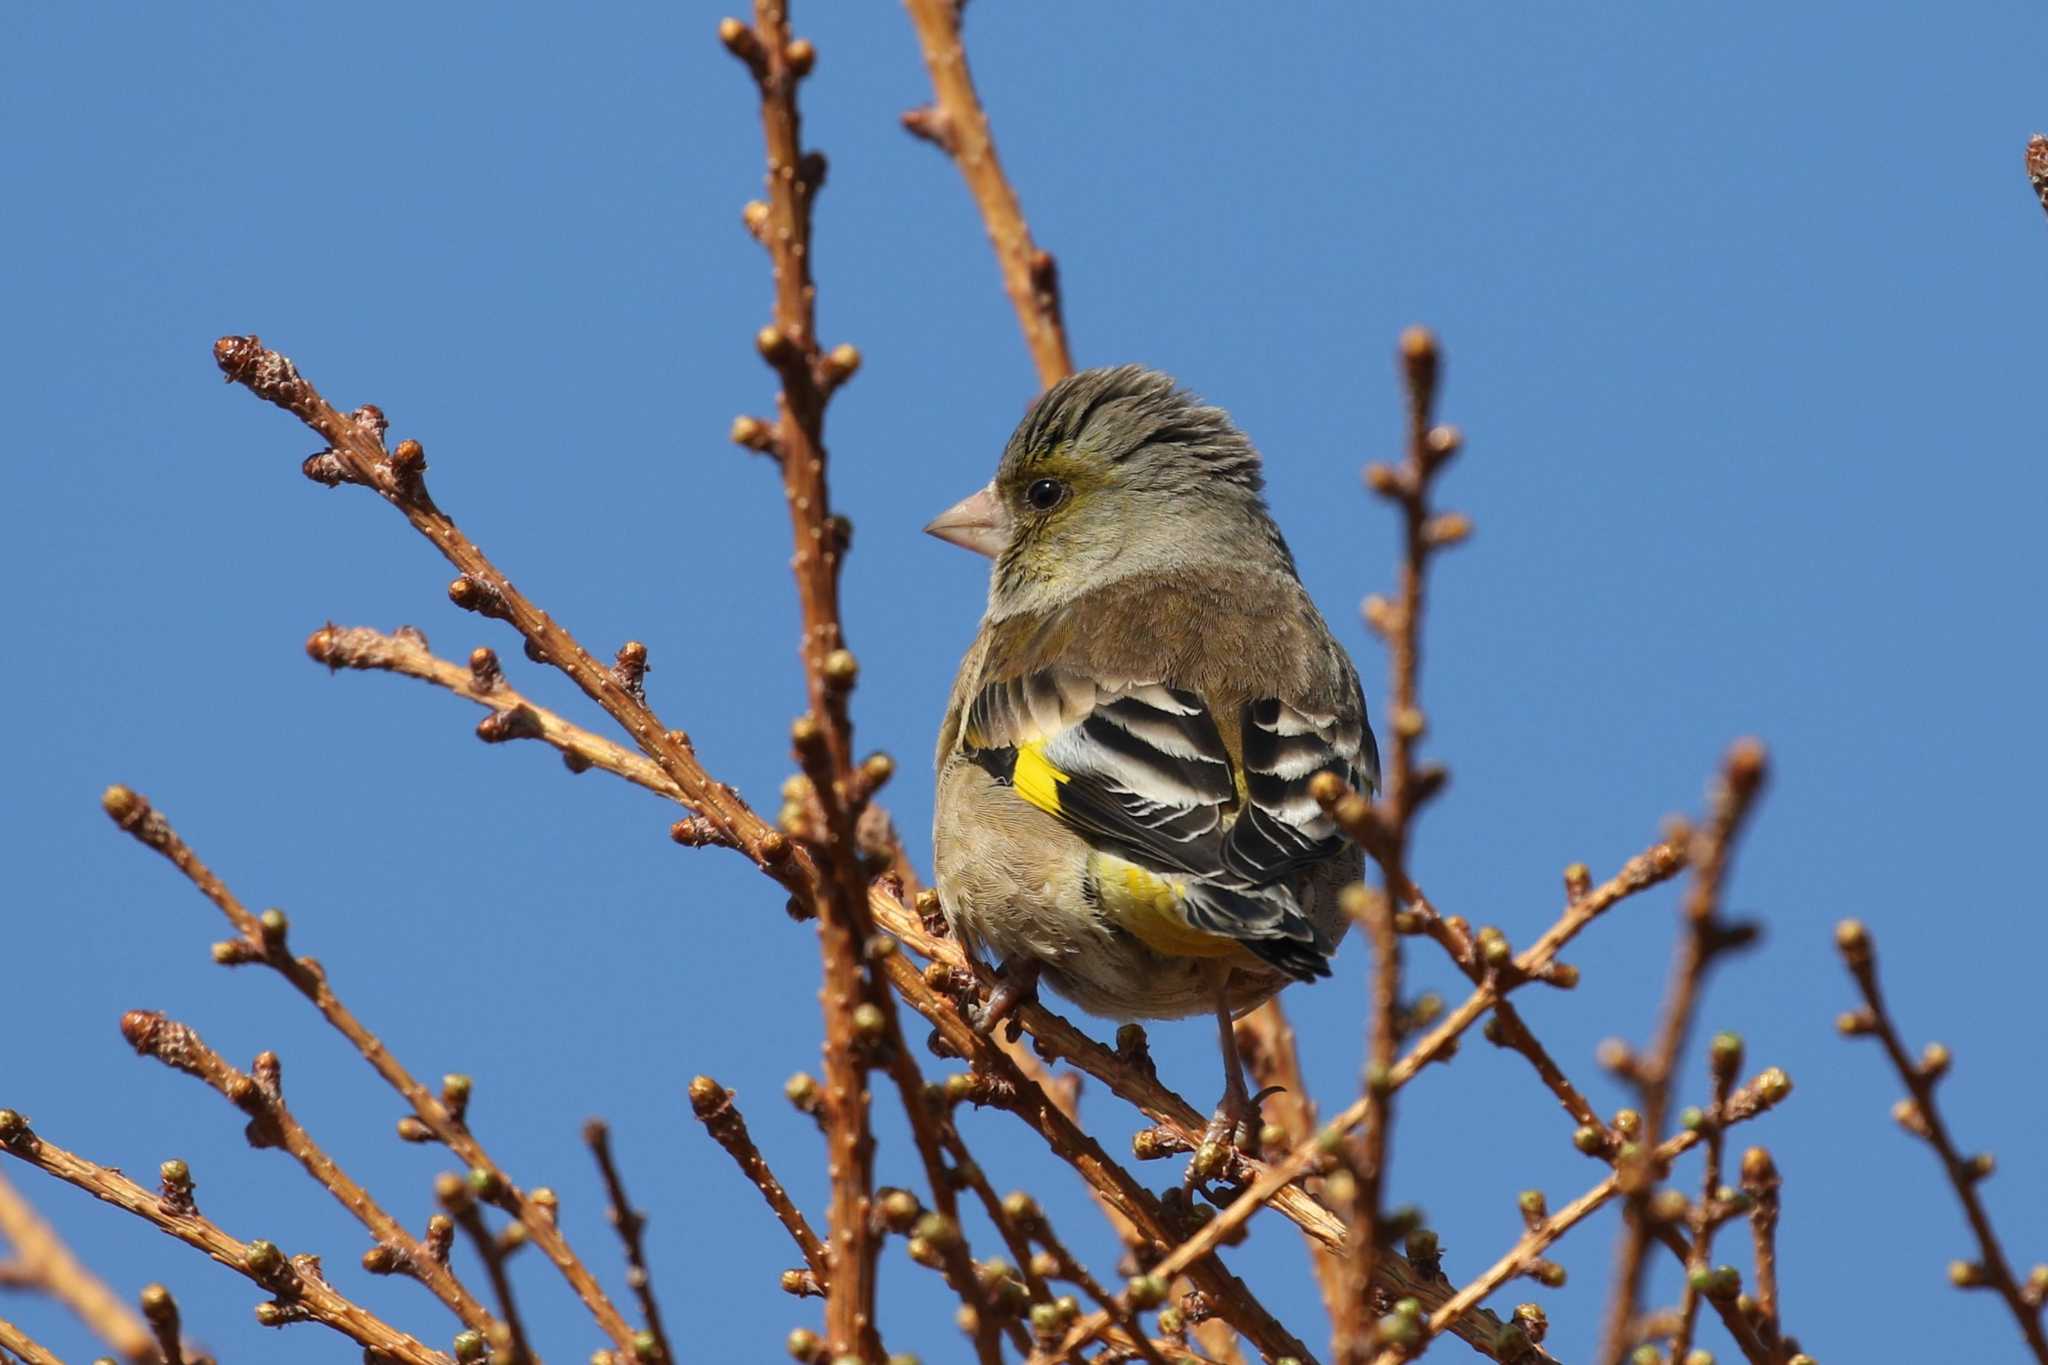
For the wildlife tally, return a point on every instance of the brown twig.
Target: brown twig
(712, 1103)
(941, 1239)
(43, 1262)
(999, 1082)
(458, 1199)
(164, 1324)
(272, 1124)
(857, 1010)
(19, 1343)
(956, 123)
(1064, 1089)
(629, 1223)
(1920, 1116)
(1408, 787)
(298, 1289)
(1761, 1183)
(2037, 168)
(356, 454)
(263, 940)
(513, 716)
(1705, 936)
(1275, 1182)
(1265, 1039)
(1724, 1058)
(1055, 1034)
(1023, 1221)
(1137, 1085)
(1758, 1096)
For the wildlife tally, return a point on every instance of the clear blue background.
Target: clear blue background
(1744, 310)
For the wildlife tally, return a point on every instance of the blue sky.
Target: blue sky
(1743, 307)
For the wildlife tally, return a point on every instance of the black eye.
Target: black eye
(1045, 494)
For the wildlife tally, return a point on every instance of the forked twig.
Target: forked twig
(42, 1261)
(630, 1223)
(712, 1103)
(263, 940)
(956, 123)
(298, 1290)
(21, 1344)
(1704, 937)
(272, 1124)
(1921, 1116)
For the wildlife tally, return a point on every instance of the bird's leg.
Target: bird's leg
(1235, 1126)
(1016, 985)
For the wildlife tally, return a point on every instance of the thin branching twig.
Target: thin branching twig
(298, 1290)
(42, 1262)
(630, 1223)
(1704, 937)
(712, 1103)
(263, 940)
(956, 123)
(1921, 1116)
(260, 1096)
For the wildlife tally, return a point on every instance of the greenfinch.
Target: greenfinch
(1123, 804)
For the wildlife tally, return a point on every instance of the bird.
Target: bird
(1123, 806)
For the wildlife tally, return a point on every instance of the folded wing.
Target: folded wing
(1143, 771)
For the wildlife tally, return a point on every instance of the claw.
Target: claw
(1016, 986)
(1235, 1127)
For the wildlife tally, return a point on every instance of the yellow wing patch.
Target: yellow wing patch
(1148, 906)
(1035, 778)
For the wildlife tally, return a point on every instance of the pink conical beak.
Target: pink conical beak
(976, 522)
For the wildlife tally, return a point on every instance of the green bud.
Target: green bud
(1724, 1053)
(1145, 1291)
(1397, 1330)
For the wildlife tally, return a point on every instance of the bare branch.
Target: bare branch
(1705, 937)
(721, 1118)
(2037, 167)
(957, 125)
(272, 1124)
(356, 448)
(263, 940)
(1920, 1116)
(298, 1289)
(20, 1344)
(43, 1262)
(629, 1222)
(1757, 1097)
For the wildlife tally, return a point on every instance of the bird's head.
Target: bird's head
(1112, 472)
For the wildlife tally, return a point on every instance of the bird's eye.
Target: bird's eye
(1045, 494)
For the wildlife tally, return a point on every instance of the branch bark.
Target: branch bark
(956, 123)
(295, 1283)
(42, 1261)
(264, 941)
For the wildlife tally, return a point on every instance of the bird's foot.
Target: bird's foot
(1232, 1132)
(1016, 986)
